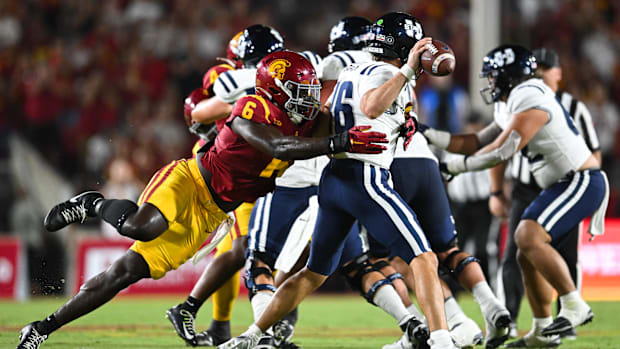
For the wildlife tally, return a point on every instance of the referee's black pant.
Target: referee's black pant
(522, 196)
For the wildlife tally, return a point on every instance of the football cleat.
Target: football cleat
(570, 334)
(402, 343)
(283, 332)
(466, 333)
(562, 324)
(183, 322)
(498, 327)
(76, 209)
(417, 333)
(241, 342)
(30, 338)
(209, 339)
(513, 332)
(266, 342)
(532, 341)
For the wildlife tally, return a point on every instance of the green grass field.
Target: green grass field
(325, 322)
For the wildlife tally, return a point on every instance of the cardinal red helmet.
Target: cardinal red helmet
(232, 52)
(203, 131)
(289, 80)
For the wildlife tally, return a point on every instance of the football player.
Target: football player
(188, 199)
(525, 190)
(357, 187)
(536, 124)
(221, 277)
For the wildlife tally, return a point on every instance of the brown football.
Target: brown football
(438, 59)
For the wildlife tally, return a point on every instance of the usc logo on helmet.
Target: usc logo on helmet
(277, 68)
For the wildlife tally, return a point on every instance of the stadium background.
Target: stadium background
(91, 96)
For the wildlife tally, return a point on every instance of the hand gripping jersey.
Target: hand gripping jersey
(353, 83)
(240, 171)
(332, 65)
(557, 148)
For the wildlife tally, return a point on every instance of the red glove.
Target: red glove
(409, 128)
(358, 140)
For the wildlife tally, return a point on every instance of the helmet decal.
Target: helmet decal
(277, 68)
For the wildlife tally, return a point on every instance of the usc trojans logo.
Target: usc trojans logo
(277, 68)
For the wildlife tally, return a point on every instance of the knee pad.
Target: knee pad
(250, 275)
(460, 266)
(355, 271)
(378, 265)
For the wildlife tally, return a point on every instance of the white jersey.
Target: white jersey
(557, 148)
(353, 83)
(334, 63)
(315, 59)
(231, 85)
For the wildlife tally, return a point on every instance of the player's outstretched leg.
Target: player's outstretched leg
(127, 270)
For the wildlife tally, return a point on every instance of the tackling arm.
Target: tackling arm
(270, 140)
(467, 143)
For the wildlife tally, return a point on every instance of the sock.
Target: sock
(387, 299)
(441, 339)
(192, 305)
(260, 302)
(253, 330)
(454, 313)
(220, 329)
(484, 296)
(571, 298)
(115, 211)
(572, 305)
(412, 309)
(292, 317)
(47, 326)
(538, 323)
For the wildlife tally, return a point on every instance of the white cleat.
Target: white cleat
(498, 327)
(402, 343)
(241, 342)
(466, 333)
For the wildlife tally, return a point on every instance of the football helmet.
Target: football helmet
(393, 35)
(505, 67)
(256, 41)
(232, 54)
(289, 80)
(206, 132)
(350, 33)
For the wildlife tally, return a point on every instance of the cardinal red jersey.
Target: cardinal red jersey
(240, 171)
(211, 76)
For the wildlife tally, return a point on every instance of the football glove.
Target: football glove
(357, 140)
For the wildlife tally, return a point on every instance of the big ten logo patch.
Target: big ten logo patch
(277, 68)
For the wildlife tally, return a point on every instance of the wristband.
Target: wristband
(407, 71)
(496, 193)
(339, 143)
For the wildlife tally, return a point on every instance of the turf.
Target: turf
(325, 322)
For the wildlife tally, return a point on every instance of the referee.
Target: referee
(525, 189)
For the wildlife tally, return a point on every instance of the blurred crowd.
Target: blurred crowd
(98, 86)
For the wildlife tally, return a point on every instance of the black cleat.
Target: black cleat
(570, 335)
(534, 343)
(30, 338)
(183, 322)
(266, 342)
(562, 325)
(418, 334)
(76, 209)
(209, 339)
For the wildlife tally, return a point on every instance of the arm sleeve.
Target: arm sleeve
(331, 67)
(226, 88)
(583, 119)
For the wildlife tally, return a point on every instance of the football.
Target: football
(438, 59)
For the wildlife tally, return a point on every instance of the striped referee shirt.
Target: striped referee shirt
(520, 167)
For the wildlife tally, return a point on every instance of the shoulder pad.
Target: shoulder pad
(234, 84)
(211, 76)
